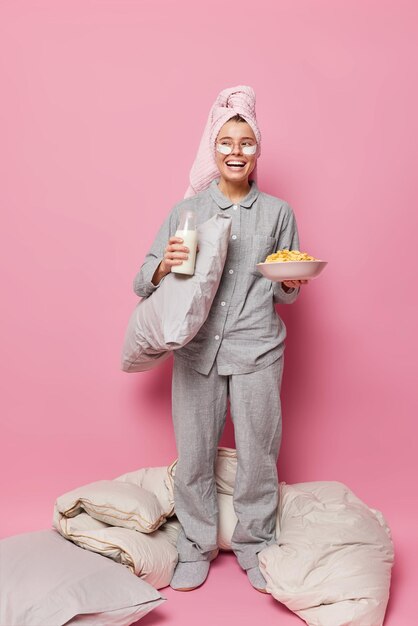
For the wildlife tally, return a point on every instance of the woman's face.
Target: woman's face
(238, 134)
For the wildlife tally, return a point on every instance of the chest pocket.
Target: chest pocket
(259, 246)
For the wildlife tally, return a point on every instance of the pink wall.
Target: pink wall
(102, 111)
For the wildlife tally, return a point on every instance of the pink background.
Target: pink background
(101, 115)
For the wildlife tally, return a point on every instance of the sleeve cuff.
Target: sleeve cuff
(142, 283)
(280, 296)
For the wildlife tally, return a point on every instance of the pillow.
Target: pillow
(114, 502)
(151, 556)
(332, 560)
(227, 520)
(46, 580)
(225, 470)
(158, 480)
(173, 314)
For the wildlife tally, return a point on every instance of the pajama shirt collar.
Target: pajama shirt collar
(224, 203)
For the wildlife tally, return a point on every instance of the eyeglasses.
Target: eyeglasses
(226, 147)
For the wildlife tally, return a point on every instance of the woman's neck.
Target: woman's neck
(234, 191)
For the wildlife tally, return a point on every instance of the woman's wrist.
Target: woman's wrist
(159, 273)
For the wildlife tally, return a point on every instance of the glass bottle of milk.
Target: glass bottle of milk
(186, 229)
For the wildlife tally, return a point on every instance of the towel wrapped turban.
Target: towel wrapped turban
(230, 101)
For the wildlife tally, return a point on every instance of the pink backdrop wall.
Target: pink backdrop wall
(102, 111)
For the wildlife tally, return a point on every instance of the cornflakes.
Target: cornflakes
(289, 255)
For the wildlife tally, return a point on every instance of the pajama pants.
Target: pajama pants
(199, 407)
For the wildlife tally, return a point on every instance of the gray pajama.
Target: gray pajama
(238, 354)
(199, 405)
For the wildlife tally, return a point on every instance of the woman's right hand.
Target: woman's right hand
(174, 254)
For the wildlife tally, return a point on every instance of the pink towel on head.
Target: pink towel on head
(230, 101)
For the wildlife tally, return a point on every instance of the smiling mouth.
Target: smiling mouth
(235, 165)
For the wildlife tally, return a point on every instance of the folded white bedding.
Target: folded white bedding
(125, 519)
(331, 563)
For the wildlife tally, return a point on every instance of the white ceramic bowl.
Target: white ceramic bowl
(278, 271)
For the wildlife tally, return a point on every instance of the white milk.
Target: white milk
(190, 240)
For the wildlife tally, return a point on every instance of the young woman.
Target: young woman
(237, 354)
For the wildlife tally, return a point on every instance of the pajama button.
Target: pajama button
(223, 303)
(216, 336)
(234, 236)
(231, 271)
(235, 207)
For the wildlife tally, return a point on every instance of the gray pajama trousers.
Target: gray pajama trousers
(199, 407)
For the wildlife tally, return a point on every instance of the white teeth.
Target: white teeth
(235, 163)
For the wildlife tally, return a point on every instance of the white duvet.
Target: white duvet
(331, 562)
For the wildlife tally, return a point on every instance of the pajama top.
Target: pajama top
(243, 332)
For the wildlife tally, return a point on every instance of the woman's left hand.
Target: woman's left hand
(294, 283)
